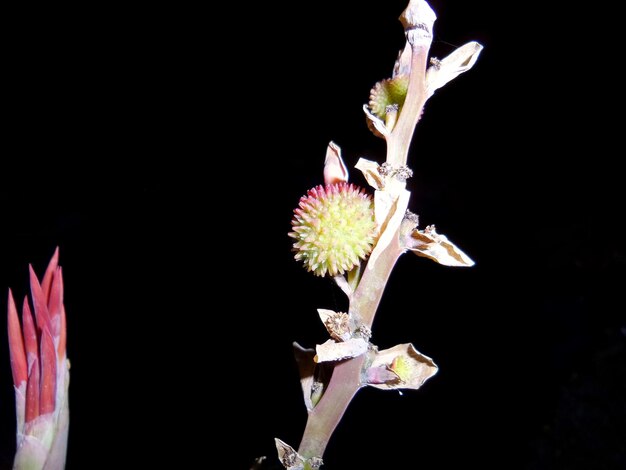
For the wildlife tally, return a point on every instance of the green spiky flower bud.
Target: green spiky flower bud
(334, 228)
(388, 93)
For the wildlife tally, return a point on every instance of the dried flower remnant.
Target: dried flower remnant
(337, 324)
(408, 367)
(428, 243)
(335, 170)
(291, 460)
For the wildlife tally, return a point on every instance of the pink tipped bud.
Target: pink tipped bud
(40, 303)
(30, 335)
(55, 303)
(46, 283)
(16, 345)
(48, 384)
(335, 170)
(32, 392)
(62, 337)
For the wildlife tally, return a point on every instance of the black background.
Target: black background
(164, 151)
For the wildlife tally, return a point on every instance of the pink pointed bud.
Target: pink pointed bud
(50, 271)
(62, 337)
(32, 392)
(39, 301)
(55, 303)
(335, 170)
(30, 335)
(48, 374)
(16, 345)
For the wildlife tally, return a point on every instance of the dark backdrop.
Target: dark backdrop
(164, 151)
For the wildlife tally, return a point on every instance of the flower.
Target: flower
(40, 373)
(334, 224)
(334, 228)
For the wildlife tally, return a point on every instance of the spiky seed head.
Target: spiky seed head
(388, 95)
(334, 228)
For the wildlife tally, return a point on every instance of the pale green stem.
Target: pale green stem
(346, 378)
(323, 419)
(400, 139)
(366, 298)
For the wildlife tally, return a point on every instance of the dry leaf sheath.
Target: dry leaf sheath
(343, 232)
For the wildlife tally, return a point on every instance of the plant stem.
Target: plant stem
(366, 298)
(400, 139)
(323, 419)
(346, 378)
